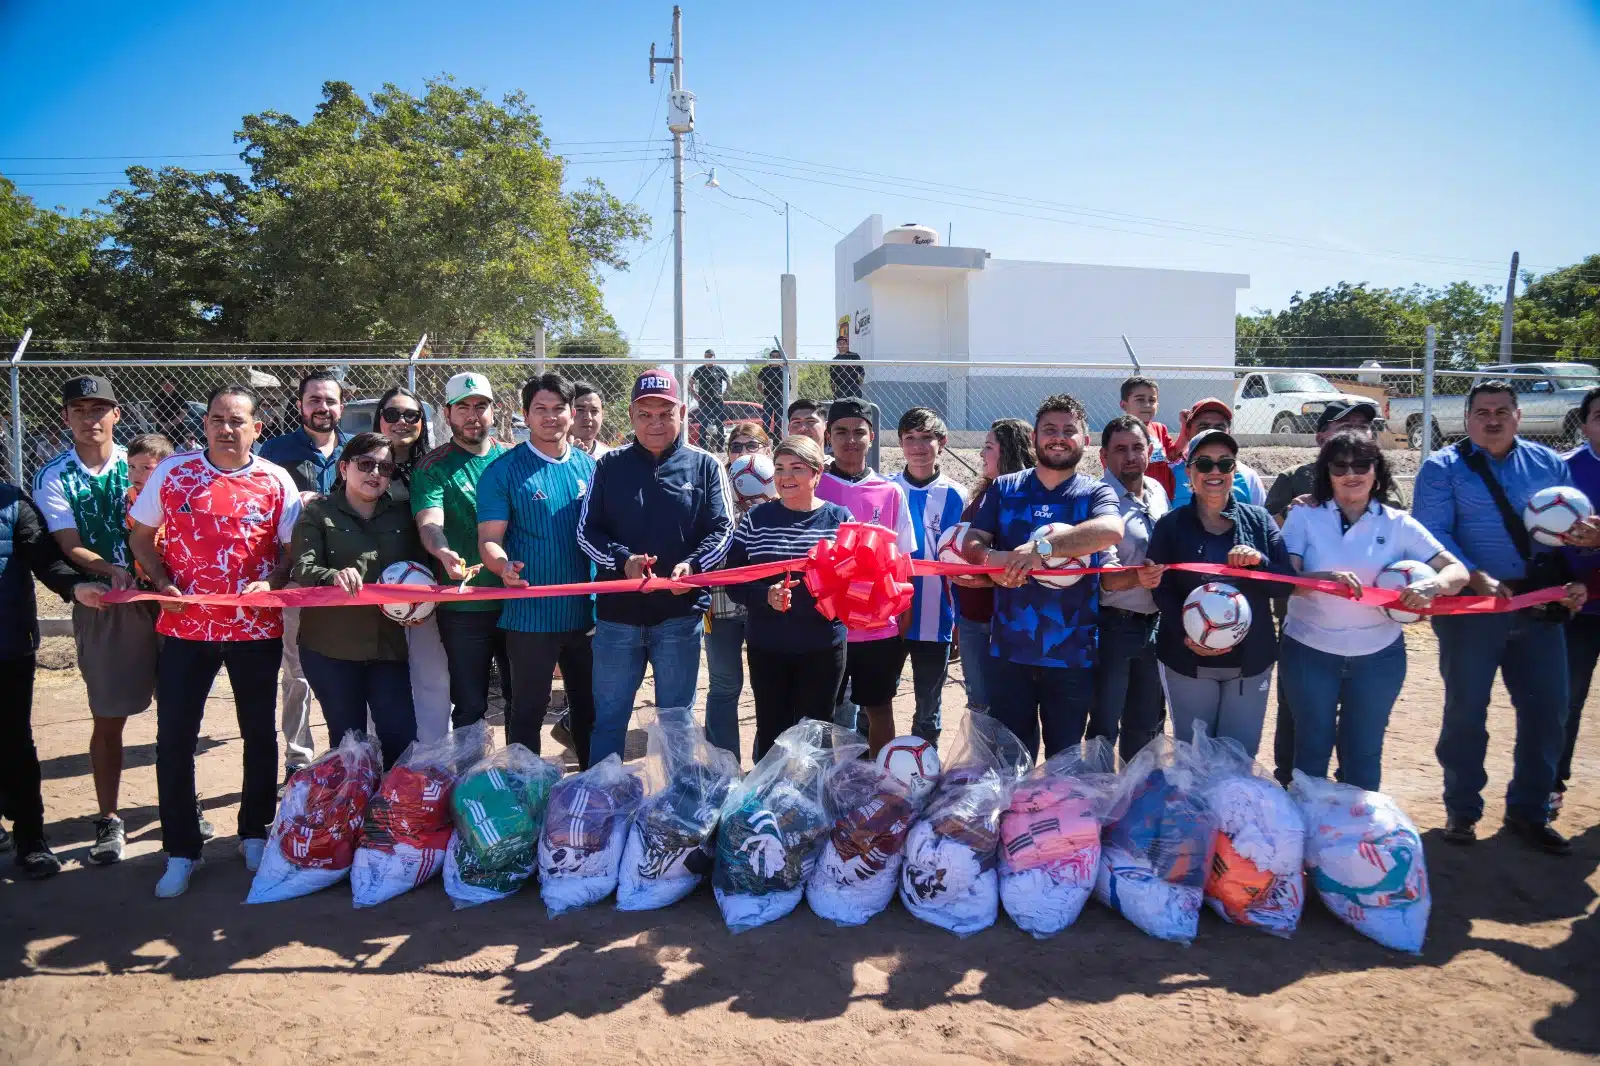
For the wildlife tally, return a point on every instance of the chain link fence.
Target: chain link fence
(1275, 408)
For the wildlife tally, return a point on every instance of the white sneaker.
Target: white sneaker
(252, 850)
(175, 882)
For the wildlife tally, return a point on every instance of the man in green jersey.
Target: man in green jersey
(444, 499)
(82, 494)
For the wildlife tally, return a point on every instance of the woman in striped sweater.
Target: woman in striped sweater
(796, 655)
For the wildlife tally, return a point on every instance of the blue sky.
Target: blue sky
(1301, 145)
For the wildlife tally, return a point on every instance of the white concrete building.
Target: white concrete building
(909, 301)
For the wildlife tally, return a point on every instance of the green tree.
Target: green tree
(1558, 314)
(53, 273)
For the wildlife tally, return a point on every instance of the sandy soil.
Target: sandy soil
(95, 969)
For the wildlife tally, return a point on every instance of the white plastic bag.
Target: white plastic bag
(1050, 837)
(498, 809)
(1157, 844)
(580, 846)
(1366, 862)
(1257, 870)
(669, 848)
(949, 878)
(859, 867)
(313, 840)
(408, 821)
(773, 822)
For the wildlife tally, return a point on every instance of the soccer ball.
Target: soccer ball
(407, 573)
(915, 762)
(949, 549)
(1401, 575)
(1216, 616)
(1058, 562)
(751, 477)
(1553, 511)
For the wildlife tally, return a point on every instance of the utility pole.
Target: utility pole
(1506, 318)
(680, 120)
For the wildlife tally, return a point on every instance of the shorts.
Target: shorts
(872, 670)
(117, 651)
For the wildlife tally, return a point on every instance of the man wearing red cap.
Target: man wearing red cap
(1212, 413)
(661, 508)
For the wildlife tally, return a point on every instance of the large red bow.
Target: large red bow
(861, 577)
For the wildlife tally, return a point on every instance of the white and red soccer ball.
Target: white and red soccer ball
(949, 547)
(1552, 512)
(1399, 576)
(1216, 616)
(1066, 564)
(407, 573)
(753, 480)
(915, 762)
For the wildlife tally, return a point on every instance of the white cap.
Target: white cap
(461, 386)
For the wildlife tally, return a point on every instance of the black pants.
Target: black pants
(184, 674)
(789, 686)
(351, 690)
(534, 657)
(472, 640)
(1283, 733)
(1583, 651)
(20, 787)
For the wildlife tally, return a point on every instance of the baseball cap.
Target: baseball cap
(461, 386)
(1337, 409)
(656, 381)
(1211, 403)
(1211, 436)
(849, 407)
(88, 387)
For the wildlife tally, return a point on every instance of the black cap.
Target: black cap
(1337, 409)
(87, 388)
(849, 407)
(1210, 436)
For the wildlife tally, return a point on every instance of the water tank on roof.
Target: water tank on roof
(912, 233)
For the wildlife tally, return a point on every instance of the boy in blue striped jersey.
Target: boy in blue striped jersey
(936, 505)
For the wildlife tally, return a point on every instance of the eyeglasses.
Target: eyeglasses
(1205, 464)
(1354, 466)
(740, 447)
(409, 415)
(368, 465)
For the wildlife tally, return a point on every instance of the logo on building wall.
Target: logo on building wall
(863, 323)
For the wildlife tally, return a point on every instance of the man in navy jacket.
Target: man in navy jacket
(657, 507)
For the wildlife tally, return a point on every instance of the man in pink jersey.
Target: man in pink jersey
(226, 515)
(875, 657)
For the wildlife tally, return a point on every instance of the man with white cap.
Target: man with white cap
(444, 501)
(657, 507)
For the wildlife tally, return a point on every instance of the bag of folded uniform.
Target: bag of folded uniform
(313, 840)
(585, 825)
(498, 809)
(859, 867)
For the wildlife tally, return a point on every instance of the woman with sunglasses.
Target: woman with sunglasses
(355, 657)
(1224, 690)
(1344, 662)
(400, 417)
(725, 626)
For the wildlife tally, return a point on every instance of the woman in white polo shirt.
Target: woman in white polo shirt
(1342, 663)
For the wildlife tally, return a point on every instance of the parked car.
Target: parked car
(1287, 402)
(358, 418)
(733, 411)
(1548, 393)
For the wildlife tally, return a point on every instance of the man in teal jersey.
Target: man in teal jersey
(82, 494)
(444, 500)
(529, 502)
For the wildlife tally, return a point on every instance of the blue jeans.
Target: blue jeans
(1343, 702)
(349, 689)
(725, 680)
(975, 663)
(930, 663)
(472, 640)
(1129, 705)
(1023, 698)
(672, 648)
(1531, 655)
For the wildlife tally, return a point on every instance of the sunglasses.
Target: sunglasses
(737, 448)
(409, 415)
(1205, 464)
(368, 465)
(1354, 466)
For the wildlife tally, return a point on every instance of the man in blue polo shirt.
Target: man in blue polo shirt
(1583, 630)
(1044, 638)
(311, 455)
(1454, 500)
(529, 502)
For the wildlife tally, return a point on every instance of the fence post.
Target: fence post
(16, 408)
(411, 364)
(1425, 442)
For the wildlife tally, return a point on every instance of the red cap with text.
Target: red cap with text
(656, 382)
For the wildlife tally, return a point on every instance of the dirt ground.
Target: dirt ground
(95, 969)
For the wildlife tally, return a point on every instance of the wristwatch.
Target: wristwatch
(1043, 548)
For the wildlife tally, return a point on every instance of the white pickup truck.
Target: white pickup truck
(1285, 401)
(1549, 395)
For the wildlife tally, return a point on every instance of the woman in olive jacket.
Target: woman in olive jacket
(355, 657)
